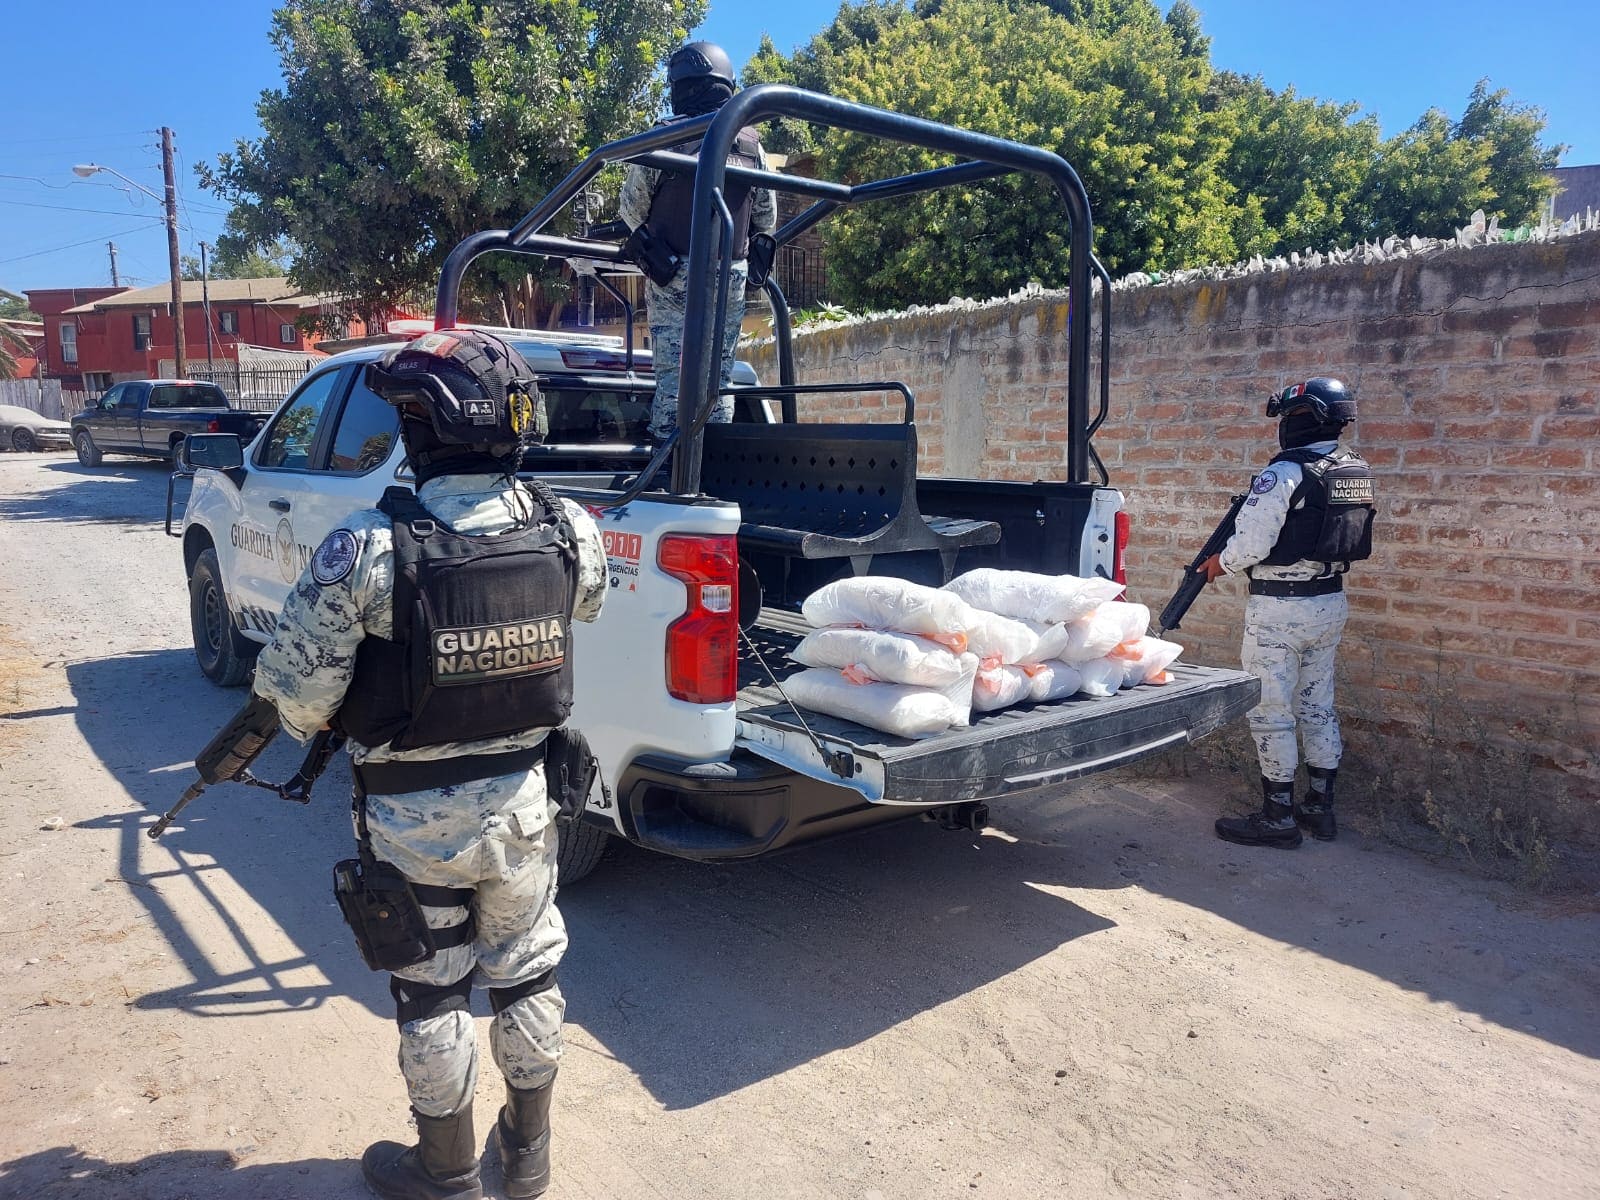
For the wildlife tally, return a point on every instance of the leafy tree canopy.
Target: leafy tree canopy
(404, 125)
(17, 310)
(233, 258)
(1124, 106)
(1184, 165)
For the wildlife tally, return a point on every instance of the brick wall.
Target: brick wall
(1478, 376)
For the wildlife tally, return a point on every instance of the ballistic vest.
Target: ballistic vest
(1334, 525)
(672, 206)
(482, 632)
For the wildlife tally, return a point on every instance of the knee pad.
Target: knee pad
(501, 999)
(418, 1001)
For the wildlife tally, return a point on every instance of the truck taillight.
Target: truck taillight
(703, 644)
(1119, 547)
(213, 426)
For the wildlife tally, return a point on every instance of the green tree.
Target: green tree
(1425, 181)
(402, 126)
(234, 258)
(1124, 106)
(1296, 165)
(1519, 166)
(16, 310)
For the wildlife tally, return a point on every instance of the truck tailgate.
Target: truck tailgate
(999, 753)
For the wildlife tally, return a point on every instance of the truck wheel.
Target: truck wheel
(174, 447)
(579, 848)
(224, 654)
(23, 441)
(88, 453)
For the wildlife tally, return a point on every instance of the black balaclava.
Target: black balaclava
(701, 94)
(1302, 428)
(429, 458)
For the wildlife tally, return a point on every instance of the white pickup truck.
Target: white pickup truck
(701, 755)
(676, 688)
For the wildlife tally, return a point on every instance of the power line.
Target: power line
(74, 245)
(98, 138)
(60, 186)
(106, 212)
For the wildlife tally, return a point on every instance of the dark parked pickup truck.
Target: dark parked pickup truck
(151, 417)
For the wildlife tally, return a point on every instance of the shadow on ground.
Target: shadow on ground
(704, 979)
(67, 1173)
(122, 492)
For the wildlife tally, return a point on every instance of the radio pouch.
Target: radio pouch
(763, 252)
(651, 255)
(383, 913)
(378, 904)
(570, 772)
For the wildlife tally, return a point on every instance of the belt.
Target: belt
(1297, 588)
(397, 778)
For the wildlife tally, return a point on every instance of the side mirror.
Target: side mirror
(218, 451)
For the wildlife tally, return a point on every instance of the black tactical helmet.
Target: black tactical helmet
(1325, 399)
(700, 60)
(476, 391)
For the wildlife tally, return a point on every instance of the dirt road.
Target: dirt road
(1094, 999)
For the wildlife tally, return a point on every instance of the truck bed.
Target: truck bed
(1028, 746)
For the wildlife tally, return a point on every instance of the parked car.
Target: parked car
(24, 430)
(151, 417)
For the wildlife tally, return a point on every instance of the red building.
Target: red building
(60, 351)
(106, 335)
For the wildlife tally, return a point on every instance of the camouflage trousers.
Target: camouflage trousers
(495, 836)
(668, 304)
(1289, 645)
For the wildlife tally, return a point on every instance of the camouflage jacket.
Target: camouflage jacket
(1261, 520)
(639, 191)
(308, 667)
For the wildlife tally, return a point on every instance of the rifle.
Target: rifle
(227, 758)
(1193, 577)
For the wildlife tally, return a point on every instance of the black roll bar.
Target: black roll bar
(696, 386)
(986, 156)
(787, 393)
(782, 330)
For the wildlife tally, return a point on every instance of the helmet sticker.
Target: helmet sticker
(435, 343)
(1264, 483)
(334, 558)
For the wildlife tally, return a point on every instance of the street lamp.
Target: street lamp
(169, 202)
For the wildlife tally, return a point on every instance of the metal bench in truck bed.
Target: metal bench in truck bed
(832, 490)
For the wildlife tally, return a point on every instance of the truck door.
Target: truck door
(331, 451)
(283, 470)
(120, 424)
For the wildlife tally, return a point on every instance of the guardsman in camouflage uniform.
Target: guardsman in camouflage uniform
(453, 782)
(701, 78)
(1308, 517)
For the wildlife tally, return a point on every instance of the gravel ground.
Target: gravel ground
(1095, 998)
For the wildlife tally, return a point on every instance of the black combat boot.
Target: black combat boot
(523, 1132)
(1272, 826)
(443, 1165)
(1315, 816)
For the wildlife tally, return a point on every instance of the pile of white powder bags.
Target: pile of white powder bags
(913, 660)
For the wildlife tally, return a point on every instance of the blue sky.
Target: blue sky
(91, 82)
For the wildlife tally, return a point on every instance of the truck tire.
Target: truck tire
(174, 446)
(579, 848)
(225, 655)
(88, 453)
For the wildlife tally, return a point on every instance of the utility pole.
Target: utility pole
(205, 305)
(179, 357)
(112, 247)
